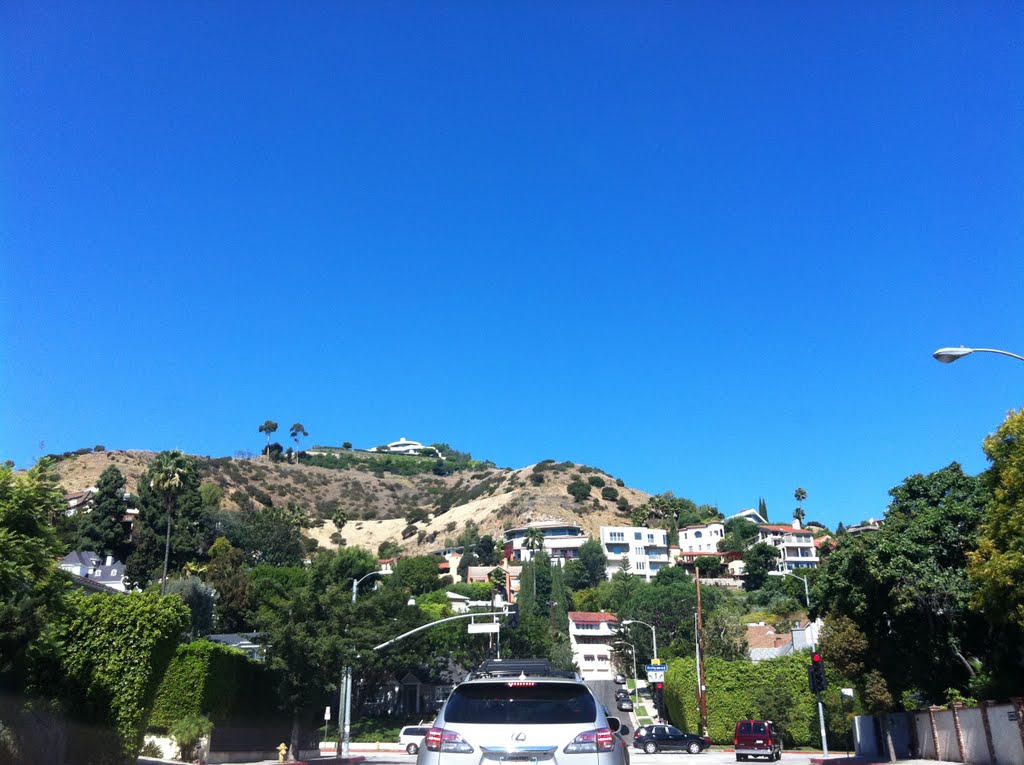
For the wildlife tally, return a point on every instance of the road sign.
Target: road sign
(655, 667)
(655, 673)
(327, 713)
(483, 627)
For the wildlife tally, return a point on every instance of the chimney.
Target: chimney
(796, 523)
(110, 560)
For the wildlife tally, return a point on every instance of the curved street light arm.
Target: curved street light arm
(949, 355)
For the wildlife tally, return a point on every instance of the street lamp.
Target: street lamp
(949, 355)
(360, 580)
(654, 634)
(345, 684)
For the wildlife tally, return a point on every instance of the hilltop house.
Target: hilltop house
(795, 545)
(562, 541)
(645, 549)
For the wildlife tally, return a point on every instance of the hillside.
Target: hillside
(378, 504)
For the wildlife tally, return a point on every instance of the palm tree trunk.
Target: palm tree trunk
(167, 550)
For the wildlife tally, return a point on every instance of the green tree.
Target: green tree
(709, 565)
(200, 599)
(32, 587)
(174, 526)
(762, 508)
(906, 590)
(227, 574)
(388, 549)
(418, 574)
(168, 480)
(739, 535)
(271, 535)
(102, 530)
(757, 562)
(997, 567)
(269, 427)
(594, 561)
(533, 541)
(799, 495)
(297, 432)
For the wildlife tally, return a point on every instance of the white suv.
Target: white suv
(523, 711)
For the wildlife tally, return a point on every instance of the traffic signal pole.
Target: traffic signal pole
(821, 721)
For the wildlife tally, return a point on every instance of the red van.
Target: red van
(757, 738)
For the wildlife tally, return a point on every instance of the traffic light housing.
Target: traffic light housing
(513, 616)
(658, 697)
(816, 673)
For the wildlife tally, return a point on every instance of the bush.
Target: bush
(610, 493)
(596, 481)
(212, 680)
(187, 733)
(99, 448)
(619, 482)
(579, 490)
(536, 478)
(740, 690)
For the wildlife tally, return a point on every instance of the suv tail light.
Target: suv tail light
(598, 740)
(441, 740)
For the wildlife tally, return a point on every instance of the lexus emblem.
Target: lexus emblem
(520, 736)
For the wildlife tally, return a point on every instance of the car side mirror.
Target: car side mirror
(613, 724)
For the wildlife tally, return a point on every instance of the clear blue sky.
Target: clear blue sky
(708, 248)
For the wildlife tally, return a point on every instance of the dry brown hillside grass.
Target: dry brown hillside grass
(377, 505)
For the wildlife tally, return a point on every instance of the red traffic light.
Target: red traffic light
(659, 686)
(816, 658)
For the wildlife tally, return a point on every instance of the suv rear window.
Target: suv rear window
(535, 704)
(744, 727)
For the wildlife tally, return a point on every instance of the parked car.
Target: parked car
(620, 679)
(411, 737)
(757, 738)
(624, 705)
(522, 711)
(621, 693)
(656, 738)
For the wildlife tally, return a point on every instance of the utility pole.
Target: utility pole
(702, 697)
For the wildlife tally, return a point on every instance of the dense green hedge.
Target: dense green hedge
(215, 681)
(738, 690)
(115, 649)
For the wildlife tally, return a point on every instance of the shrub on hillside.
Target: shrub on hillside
(610, 493)
(536, 478)
(619, 482)
(579, 489)
(596, 481)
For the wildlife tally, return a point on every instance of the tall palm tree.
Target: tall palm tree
(799, 495)
(169, 470)
(533, 541)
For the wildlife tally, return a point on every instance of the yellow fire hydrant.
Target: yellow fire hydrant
(282, 750)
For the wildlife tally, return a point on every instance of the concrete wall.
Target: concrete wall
(926, 747)
(948, 748)
(1006, 736)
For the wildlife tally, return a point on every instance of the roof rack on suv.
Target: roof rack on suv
(519, 667)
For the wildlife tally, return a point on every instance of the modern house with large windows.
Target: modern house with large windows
(591, 634)
(562, 541)
(645, 549)
(795, 545)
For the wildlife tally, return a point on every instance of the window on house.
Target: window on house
(638, 535)
(696, 535)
